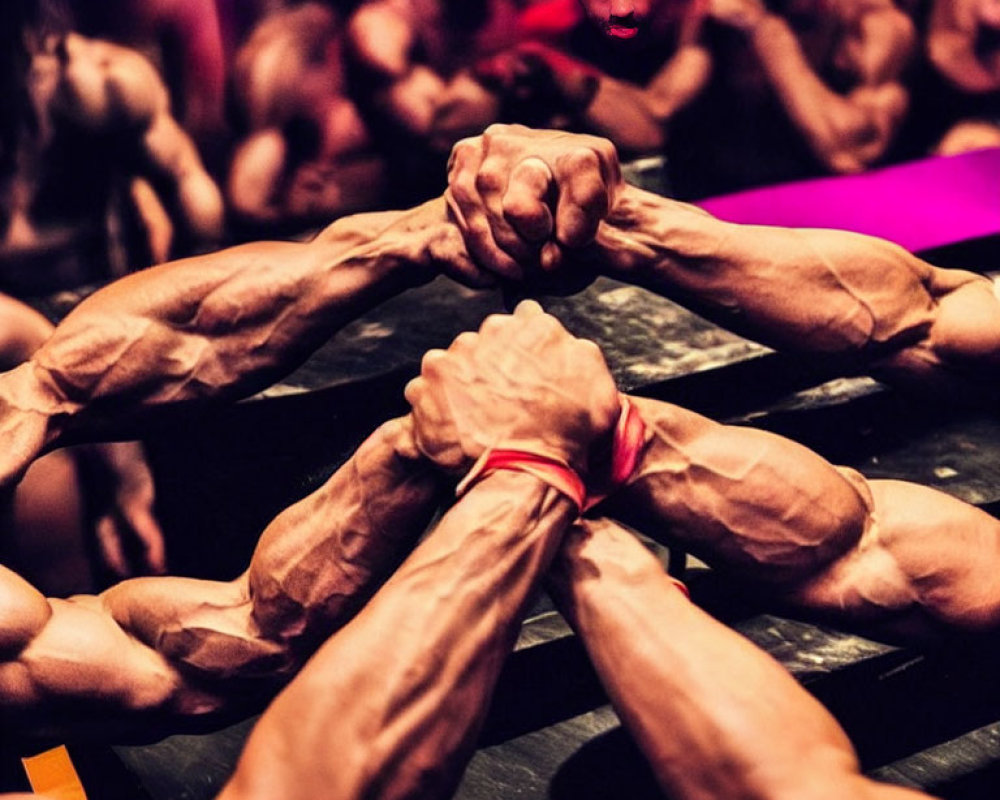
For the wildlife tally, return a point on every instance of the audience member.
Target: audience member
(307, 156)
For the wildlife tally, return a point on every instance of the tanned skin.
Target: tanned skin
(152, 653)
(215, 326)
(307, 154)
(952, 43)
(390, 706)
(869, 40)
(104, 90)
(858, 298)
(634, 116)
(416, 57)
(714, 715)
(43, 533)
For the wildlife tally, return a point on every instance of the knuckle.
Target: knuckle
(431, 363)
(490, 179)
(465, 341)
(581, 160)
(493, 324)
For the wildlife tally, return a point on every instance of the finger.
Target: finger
(491, 184)
(110, 545)
(551, 257)
(150, 535)
(464, 343)
(449, 256)
(525, 204)
(527, 309)
(583, 197)
(469, 212)
(413, 391)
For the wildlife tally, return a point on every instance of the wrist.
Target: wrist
(553, 471)
(410, 247)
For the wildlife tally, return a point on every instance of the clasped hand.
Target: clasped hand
(522, 382)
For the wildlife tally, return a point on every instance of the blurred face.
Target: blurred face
(619, 19)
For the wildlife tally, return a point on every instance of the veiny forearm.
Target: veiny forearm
(226, 324)
(152, 650)
(804, 290)
(389, 707)
(714, 715)
(315, 565)
(741, 499)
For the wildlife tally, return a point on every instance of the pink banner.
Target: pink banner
(919, 205)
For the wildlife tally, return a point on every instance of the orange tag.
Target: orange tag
(52, 773)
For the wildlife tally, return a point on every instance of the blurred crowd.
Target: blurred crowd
(133, 132)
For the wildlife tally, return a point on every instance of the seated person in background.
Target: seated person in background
(798, 89)
(391, 705)
(186, 40)
(307, 156)
(411, 72)
(618, 69)
(44, 522)
(84, 118)
(963, 46)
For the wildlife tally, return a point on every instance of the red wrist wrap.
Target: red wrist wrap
(681, 587)
(558, 474)
(630, 438)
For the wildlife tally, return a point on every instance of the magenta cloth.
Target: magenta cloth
(919, 205)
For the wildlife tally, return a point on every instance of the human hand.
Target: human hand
(128, 524)
(744, 15)
(522, 382)
(425, 238)
(535, 72)
(521, 196)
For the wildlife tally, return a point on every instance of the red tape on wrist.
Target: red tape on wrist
(630, 438)
(681, 587)
(558, 474)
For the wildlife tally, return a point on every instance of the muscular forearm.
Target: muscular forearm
(805, 290)
(624, 114)
(151, 650)
(740, 498)
(315, 565)
(714, 715)
(217, 326)
(389, 707)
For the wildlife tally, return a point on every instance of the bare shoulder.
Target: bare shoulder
(113, 84)
(24, 611)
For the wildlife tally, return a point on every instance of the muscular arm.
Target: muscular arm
(883, 553)
(152, 649)
(951, 47)
(634, 117)
(714, 715)
(847, 132)
(809, 290)
(221, 325)
(137, 98)
(390, 706)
